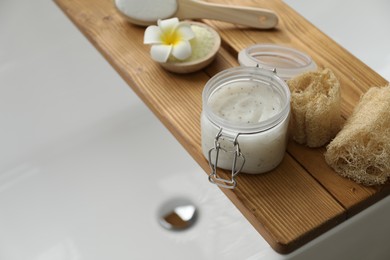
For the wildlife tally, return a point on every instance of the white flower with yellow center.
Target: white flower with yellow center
(169, 37)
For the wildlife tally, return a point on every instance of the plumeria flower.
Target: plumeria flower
(169, 37)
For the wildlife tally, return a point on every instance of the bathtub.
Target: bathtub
(86, 168)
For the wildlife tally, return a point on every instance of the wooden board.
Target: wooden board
(300, 199)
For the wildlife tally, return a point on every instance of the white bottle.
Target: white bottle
(244, 122)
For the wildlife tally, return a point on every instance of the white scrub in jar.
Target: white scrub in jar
(254, 107)
(244, 103)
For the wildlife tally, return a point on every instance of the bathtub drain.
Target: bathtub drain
(177, 214)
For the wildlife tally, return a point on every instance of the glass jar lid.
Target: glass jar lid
(288, 62)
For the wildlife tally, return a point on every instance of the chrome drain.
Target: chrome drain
(177, 214)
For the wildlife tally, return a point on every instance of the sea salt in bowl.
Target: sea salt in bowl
(205, 46)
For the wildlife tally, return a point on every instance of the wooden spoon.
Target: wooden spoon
(147, 12)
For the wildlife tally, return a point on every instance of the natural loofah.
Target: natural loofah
(315, 107)
(361, 150)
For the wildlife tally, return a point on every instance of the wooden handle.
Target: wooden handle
(248, 16)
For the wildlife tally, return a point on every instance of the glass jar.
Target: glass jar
(244, 122)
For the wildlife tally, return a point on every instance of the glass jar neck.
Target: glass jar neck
(271, 89)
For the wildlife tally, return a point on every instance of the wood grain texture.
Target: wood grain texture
(300, 199)
(352, 196)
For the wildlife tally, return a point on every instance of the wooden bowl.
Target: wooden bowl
(195, 65)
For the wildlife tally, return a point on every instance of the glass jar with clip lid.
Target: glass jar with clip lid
(244, 122)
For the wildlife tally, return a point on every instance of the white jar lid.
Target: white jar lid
(288, 62)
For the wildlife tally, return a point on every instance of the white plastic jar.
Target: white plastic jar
(244, 122)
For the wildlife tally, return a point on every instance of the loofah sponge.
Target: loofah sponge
(361, 150)
(315, 107)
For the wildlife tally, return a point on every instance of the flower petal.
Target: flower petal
(182, 50)
(185, 31)
(160, 52)
(168, 25)
(152, 35)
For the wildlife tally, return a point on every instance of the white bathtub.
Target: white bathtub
(85, 166)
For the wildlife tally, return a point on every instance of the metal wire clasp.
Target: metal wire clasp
(213, 177)
(273, 70)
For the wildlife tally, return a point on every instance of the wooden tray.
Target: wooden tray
(303, 197)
